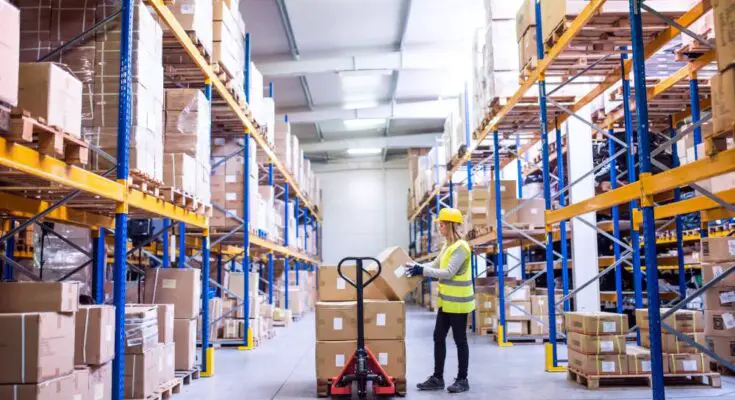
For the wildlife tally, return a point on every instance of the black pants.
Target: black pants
(458, 323)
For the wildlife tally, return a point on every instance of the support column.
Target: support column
(499, 242)
(616, 226)
(247, 334)
(285, 243)
(9, 271)
(219, 271)
(679, 228)
(270, 277)
(166, 257)
(563, 224)
(207, 350)
(181, 260)
(98, 269)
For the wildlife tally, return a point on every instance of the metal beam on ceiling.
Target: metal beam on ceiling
(424, 109)
(424, 140)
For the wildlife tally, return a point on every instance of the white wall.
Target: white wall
(364, 208)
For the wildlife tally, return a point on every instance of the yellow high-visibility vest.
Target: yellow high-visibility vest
(456, 294)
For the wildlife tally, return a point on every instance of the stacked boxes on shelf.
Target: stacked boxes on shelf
(596, 342)
(298, 293)
(37, 344)
(260, 322)
(10, 52)
(228, 44)
(142, 350)
(540, 311)
(719, 300)
(227, 186)
(500, 55)
(95, 347)
(679, 357)
(195, 17)
(723, 83)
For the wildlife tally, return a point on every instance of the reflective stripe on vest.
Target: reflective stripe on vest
(456, 294)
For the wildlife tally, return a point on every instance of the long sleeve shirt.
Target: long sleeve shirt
(456, 262)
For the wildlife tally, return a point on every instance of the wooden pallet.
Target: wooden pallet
(172, 48)
(323, 387)
(170, 388)
(47, 139)
(593, 382)
(717, 142)
(186, 200)
(145, 183)
(187, 376)
(722, 370)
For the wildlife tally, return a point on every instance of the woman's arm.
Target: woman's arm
(456, 261)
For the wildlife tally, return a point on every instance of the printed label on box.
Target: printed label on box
(340, 283)
(609, 326)
(168, 283)
(400, 271)
(109, 332)
(689, 365)
(488, 321)
(230, 196)
(339, 360)
(337, 324)
(534, 211)
(383, 359)
(646, 365)
(77, 397)
(380, 319)
(514, 327)
(607, 345)
(187, 8)
(218, 141)
(489, 305)
(607, 366)
(731, 247)
(717, 270)
(729, 320)
(99, 391)
(515, 312)
(230, 178)
(727, 297)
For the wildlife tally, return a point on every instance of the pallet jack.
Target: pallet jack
(363, 366)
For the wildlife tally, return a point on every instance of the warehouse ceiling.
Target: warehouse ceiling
(363, 74)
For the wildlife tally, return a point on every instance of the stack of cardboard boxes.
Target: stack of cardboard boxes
(384, 317)
(227, 182)
(596, 342)
(234, 308)
(719, 301)
(228, 32)
(723, 83)
(95, 347)
(679, 357)
(540, 311)
(10, 52)
(38, 343)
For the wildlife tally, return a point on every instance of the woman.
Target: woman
(456, 300)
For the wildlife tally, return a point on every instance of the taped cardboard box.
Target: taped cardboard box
(392, 281)
(165, 317)
(384, 319)
(720, 298)
(718, 249)
(36, 346)
(237, 284)
(332, 356)
(719, 323)
(141, 373)
(231, 328)
(681, 320)
(723, 101)
(639, 361)
(724, 20)
(391, 355)
(179, 171)
(166, 363)
(722, 346)
(595, 364)
(519, 310)
(71, 386)
(296, 300)
(542, 328)
(587, 344)
(95, 335)
(18, 297)
(141, 328)
(47, 91)
(712, 270)
(671, 343)
(100, 382)
(596, 323)
(336, 320)
(686, 363)
(185, 337)
(180, 287)
(517, 328)
(196, 16)
(9, 52)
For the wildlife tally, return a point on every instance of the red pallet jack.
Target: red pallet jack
(363, 366)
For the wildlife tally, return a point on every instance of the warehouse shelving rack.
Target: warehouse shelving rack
(61, 192)
(641, 188)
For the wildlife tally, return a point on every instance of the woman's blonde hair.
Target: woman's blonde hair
(455, 232)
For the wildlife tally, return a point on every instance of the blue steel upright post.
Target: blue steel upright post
(694, 105)
(519, 183)
(649, 222)
(181, 259)
(270, 253)
(247, 334)
(121, 211)
(560, 171)
(616, 225)
(467, 140)
(219, 271)
(679, 228)
(285, 244)
(166, 256)
(8, 270)
(207, 366)
(552, 359)
(502, 334)
(98, 270)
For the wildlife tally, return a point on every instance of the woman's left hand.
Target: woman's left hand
(415, 270)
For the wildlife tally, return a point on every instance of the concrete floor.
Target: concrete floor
(283, 368)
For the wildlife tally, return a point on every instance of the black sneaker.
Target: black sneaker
(459, 386)
(433, 383)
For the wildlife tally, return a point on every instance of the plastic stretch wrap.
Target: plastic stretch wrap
(60, 258)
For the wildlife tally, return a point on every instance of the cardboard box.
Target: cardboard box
(722, 346)
(180, 287)
(95, 335)
(542, 328)
(48, 91)
(711, 271)
(508, 190)
(231, 329)
(100, 382)
(336, 321)
(718, 249)
(391, 355)
(681, 320)
(723, 101)
(685, 363)
(593, 364)
(540, 305)
(521, 294)
(165, 314)
(237, 283)
(41, 342)
(333, 288)
(185, 337)
(596, 323)
(141, 373)
(639, 361)
(525, 18)
(719, 323)
(384, 319)
(724, 40)
(332, 356)
(486, 320)
(586, 344)
(720, 298)
(141, 328)
(392, 280)
(515, 310)
(9, 52)
(71, 386)
(486, 302)
(23, 297)
(296, 299)
(166, 363)
(532, 213)
(672, 344)
(517, 328)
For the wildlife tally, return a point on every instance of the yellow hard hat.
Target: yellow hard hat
(450, 215)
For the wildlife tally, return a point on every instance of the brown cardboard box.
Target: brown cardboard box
(685, 363)
(231, 328)
(540, 305)
(722, 346)
(486, 319)
(336, 321)
(542, 328)
(718, 249)
(586, 344)
(42, 342)
(525, 18)
(295, 300)
(527, 49)
(593, 364)
(507, 204)
(672, 344)
(521, 294)
(333, 288)
(639, 361)
(719, 323)
(517, 328)
(332, 356)
(391, 355)
(237, 283)
(185, 337)
(681, 320)
(711, 271)
(532, 213)
(508, 190)
(180, 287)
(486, 302)
(518, 310)
(166, 363)
(725, 41)
(95, 335)
(596, 323)
(720, 298)
(165, 313)
(47, 91)
(723, 101)
(70, 386)
(141, 373)
(9, 52)
(100, 382)
(384, 319)
(20, 297)
(392, 280)
(141, 328)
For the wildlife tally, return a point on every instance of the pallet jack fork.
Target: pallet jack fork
(363, 366)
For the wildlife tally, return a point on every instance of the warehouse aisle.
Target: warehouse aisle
(284, 369)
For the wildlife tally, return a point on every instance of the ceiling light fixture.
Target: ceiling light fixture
(365, 151)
